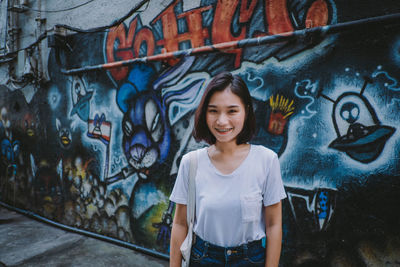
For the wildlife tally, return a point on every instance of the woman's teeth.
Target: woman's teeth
(224, 130)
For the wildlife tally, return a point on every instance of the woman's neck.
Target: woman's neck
(228, 148)
(226, 157)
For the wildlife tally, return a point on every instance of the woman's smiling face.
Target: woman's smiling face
(225, 115)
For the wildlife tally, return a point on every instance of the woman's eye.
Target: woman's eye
(212, 111)
(232, 111)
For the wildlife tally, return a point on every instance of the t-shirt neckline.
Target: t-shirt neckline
(234, 171)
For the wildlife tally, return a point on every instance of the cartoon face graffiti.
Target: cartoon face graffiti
(64, 134)
(146, 133)
(360, 134)
(29, 125)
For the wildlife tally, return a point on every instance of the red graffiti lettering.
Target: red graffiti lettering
(277, 17)
(123, 51)
(123, 44)
(144, 35)
(223, 19)
(246, 13)
(196, 32)
(317, 14)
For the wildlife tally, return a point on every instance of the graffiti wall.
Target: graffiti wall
(99, 150)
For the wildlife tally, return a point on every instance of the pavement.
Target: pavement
(28, 242)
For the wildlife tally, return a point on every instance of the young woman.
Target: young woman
(238, 186)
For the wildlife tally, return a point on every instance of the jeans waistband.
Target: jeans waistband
(227, 250)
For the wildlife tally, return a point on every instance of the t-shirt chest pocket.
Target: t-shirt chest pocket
(251, 206)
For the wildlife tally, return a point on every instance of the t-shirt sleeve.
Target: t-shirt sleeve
(273, 189)
(180, 191)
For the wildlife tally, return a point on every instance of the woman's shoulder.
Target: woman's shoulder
(199, 152)
(263, 151)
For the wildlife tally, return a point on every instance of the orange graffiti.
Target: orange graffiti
(317, 14)
(144, 35)
(122, 52)
(124, 44)
(221, 29)
(196, 32)
(277, 16)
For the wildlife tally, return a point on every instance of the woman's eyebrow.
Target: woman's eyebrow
(231, 106)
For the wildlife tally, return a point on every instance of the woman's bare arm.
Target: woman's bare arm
(178, 235)
(273, 224)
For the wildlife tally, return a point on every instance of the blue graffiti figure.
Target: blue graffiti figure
(322, 204)
(10, 150)
(81, 96)
(147, 135)
(9, 153)
(146, 132)
(148, 143)
(164, 233)
(146, 140)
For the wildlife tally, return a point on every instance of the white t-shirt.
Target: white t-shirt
(229, 206)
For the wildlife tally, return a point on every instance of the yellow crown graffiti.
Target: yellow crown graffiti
(281, 110)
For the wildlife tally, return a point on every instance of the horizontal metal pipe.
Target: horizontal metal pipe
(7, 60)
(287, 36)
(87, 233)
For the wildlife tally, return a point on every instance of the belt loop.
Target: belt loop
(245, 250)
(206, 245)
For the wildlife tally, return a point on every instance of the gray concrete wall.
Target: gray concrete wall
(78, 148)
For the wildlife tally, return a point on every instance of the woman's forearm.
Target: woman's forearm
(178, 235)
(273, 230)
(273, 245)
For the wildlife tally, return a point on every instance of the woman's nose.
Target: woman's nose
(222, 118)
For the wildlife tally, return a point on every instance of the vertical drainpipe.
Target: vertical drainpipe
(10, 31)
(15, 27)
(13, 39)
(6, 28)
(39, 29)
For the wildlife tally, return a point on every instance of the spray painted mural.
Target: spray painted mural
(99, 150)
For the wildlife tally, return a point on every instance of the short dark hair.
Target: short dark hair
(237, 86)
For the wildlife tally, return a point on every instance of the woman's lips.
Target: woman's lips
(224, 131)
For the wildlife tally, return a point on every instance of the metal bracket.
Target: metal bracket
(41, 20)
(14, 31)
(18, 8)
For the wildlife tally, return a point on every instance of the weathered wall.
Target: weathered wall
(99, 150)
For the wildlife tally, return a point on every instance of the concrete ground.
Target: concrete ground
(28, 242)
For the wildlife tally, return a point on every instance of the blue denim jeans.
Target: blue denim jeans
(206, 254)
